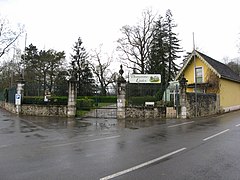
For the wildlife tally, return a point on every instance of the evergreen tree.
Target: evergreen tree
(29, 62)
(80, 65)
(164, 49)
(61, 85)
(157, 63)
(40, 69)
(173, 47)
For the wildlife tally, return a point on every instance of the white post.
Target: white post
(18, 96)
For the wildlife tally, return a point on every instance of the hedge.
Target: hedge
(61, 100)
(101, 99)
(83, 102)
(140, 101)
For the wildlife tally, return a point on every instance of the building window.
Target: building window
(199, 74)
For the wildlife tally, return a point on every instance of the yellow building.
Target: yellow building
(207, 75)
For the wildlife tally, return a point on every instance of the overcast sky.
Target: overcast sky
(57, 24)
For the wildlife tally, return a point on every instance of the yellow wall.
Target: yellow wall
(229, 93)
(189, 72)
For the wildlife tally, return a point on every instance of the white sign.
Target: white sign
(145, 78)
(18, 99)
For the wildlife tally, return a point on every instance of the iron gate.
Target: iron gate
(101, 106)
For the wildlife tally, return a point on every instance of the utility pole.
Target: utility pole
(25, 42)
(195, 75)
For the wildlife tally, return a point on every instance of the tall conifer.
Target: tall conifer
(81, 69)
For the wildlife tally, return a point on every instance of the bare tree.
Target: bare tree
(101, 69)
(7, 35)
(213, 82)
(136, 41)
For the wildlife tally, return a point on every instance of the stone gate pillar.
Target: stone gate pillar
(19, 94)
(183, 86)
(121, 93)
(72, 97)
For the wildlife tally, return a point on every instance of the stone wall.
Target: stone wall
(37, 110)
(207, 104)
(41, 110)
(8, 106)
(145, 112)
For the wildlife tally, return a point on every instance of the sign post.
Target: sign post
(18, 102)
(18, 99)
(18, 95)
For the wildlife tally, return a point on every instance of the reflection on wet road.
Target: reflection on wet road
(61, 148)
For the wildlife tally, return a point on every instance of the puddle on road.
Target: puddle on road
(79, 124)
(140, 123)
(30, 124)
(9, 126)
(57, 122)
(6, 131)
(36, 135)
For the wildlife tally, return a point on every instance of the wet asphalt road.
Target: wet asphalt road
(57, 148)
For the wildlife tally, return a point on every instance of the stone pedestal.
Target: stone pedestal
(183, 86)
(72, 98)
(121, 93)
(121, 100)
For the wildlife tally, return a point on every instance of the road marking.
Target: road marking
(237, 125)
(111, 137)
(210, 137)
(3, 146)
(181, 124)
(142, 165)
(93, 140)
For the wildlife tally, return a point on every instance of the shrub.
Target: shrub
(85, 104)
(106, 99)
(59, 100)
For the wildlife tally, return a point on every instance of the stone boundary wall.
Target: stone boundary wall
(8, 106)
(145, 112)
(37, 110)
(41, 110)
(207, 104)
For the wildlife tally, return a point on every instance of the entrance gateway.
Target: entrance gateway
(147, 84)
(136, 99)
(103, 107)
(111, 111)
